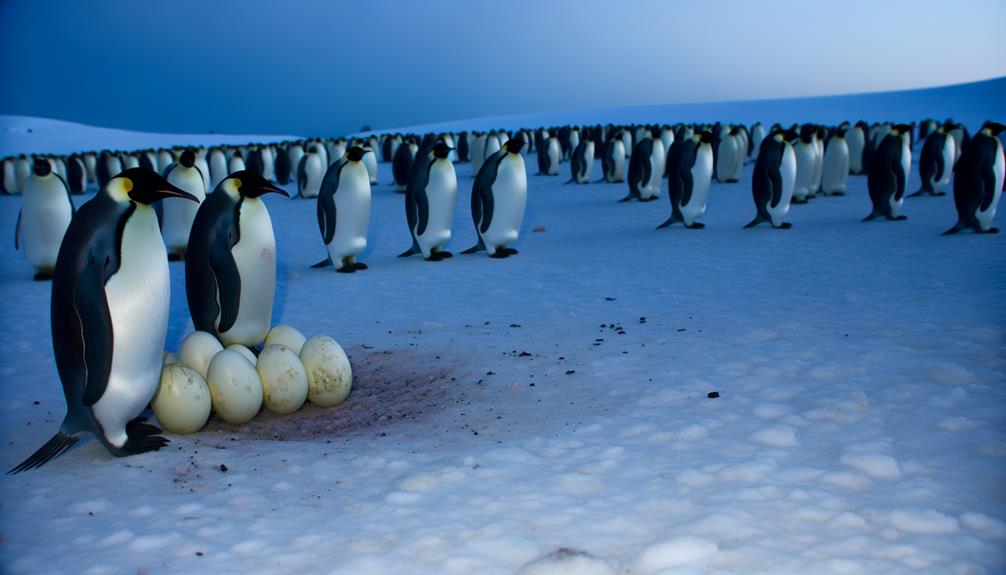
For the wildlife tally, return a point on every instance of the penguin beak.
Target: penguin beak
(255, 186)
(170, 191)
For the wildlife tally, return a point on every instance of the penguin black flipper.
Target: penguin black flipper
(899, 177)
(90, 304)
(17, 232)
(775, 182)
(326, 201)
(323, 263)
(228, 280)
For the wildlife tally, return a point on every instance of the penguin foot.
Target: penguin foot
(52, 448)
(990, 231)
(444, 254)
(799, 200)
(142, 438)
(499, 254)
(784, 226)
(649, 199)
(509, 251)
(937, 194)
(346, 269)
(627, 198)
(898, 218)
(41, 277)
(359, 266)
(696, 226)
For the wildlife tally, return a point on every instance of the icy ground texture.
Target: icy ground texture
(502, 422)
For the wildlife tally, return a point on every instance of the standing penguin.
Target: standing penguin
(888, 174)
(613, 160)
(855, 137)
(230, 266)
(553, 154)
(429, 204)
(310, 171)
(835, 165)
(689, 175)
(344, 211)
(235, 164)
(581, 161)
(805, 151)
(281, 167)
(401, 164)
(218, 167)
(979, 179)
(46, 212)
(178, 214)
(109, 314)
(646, 167)
(936, 162)
(772, 180)
(499, 196)
(76, 174)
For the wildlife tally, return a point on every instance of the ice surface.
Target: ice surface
(500, 421)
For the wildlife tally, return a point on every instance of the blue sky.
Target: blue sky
(325, 68)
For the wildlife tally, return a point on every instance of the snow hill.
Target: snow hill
(550, 413)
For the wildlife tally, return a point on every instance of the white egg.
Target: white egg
(182, 401)
(243, 351)
(284, 334)
(198, 348)
(329, 375)
(234, 386)
(284, 379)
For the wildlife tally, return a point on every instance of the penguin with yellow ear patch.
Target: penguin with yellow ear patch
(110, 295)
(230, 266)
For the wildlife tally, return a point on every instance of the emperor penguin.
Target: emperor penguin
(667, 137)
(728, 153)
(268, 162)
(553, 153)
(855, 137)
(429, 204)
(960, 135)
(254, 162)
(294, 154)
(888, 175)
(499, 196)
(627, 143)
(835, 165)
(689, 175)
(462, 148)
(91, 163)
(582, 161)
(76, 174)
(46, 211)
(281, 167)
(9, 181)
(344, 211)
(757, 137)
(646, 167)
(217, 161)
(936, 162)
(772, 180)
(178, 213)
(805, 151)
(164, 159)
(478, 148)
(817, 139)
(492, 145)
(230, 266)
(370, 161)
(978, 180)
(309, 174)
(109, 316)
(613, 160)
(401, 164)
(108, 166)
(235, 164)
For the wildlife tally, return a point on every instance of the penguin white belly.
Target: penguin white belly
(702, 173)
(370, 161)
(179, 213)
(627, 144)
(295, 154)
(236, 164)
(835, 169)
(218, 169)
(441, 196)
(588, 162)
(999, 169)
(816, 174)
(131, 162)
(138, 295)
(618, 161)
(268, 164)
(492, 146)
(854, 138)
(204, 173)
(554, 156)
(725, 159)
(45, 215)
(352, 212)
(651, 188)
(255, 257)
(477, 147)
(906, 165)
(804, 158)
(740, 154)
(787, 170)
(509, 198)
(9, 177)
(948, 165)
(314, 171)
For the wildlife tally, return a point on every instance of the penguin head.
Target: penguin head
(144, 186)
(993, 128)
(42, 167)
(187, 159)
(441, 150)
(703, 137)
(515, 145)
(251, 185)
(900, 129)
(355, 153)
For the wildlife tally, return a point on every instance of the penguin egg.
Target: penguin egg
(329, 375)
(182, 401)
(234, 387)
(284, 379)
(198, 348)
(285, 335)
(243, 351)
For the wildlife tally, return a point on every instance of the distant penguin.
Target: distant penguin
(328, 153)
(230, 266)
(855, 138)
(627, 143)
(294, 154)
(772, 180)
(613, 161)
(646, 168)
(108, 167)
(109, 315)
(960, 135)
(76, 174)
(401, 164)
(461, 151)
(817, 140)
(344, 211)
(499, 196)
(217, 161)
(9, 177)
(667, 137)
(936, 163)
(46, 211)
(804, 151)
(478, 148)
(179, 213)
(728, 155)
(835, 165)
(689, 175)
(91, 163)
(164, 159)
(22, 170)
(254, 163)
(429, 204)
(130, 161)
(581, 162)
(370, 161)
(757, 137)
(235, 164)
(281, 167)
(979, 179)
(889, 172)
(553, 155)
(492, 145)
(310, 173)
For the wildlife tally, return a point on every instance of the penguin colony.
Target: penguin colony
(109, 257)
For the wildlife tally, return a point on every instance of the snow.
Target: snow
(501, 422)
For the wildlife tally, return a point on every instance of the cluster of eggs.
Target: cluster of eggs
(235, 384)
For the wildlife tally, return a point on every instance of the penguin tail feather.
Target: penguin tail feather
(477, 247)
(957, 227)
(323, 263)
(412, 250)
(754, 222)
(59, 443)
